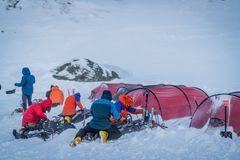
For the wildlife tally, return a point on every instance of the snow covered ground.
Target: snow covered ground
(195, 43)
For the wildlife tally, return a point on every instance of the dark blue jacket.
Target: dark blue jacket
(27, 82)
(101, 110)
(119, 107)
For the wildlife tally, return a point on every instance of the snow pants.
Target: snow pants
(25, 99)
(30, 127)
(55, 104)
(113, 132)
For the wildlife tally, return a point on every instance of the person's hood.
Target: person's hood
(26, 71)
(55, 88)
(106, 95)
(125, 100)
(46, 105)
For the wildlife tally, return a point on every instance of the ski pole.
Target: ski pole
(226, 133)
(68, 93)
(146, 103)
(73, 91)
(84, 117)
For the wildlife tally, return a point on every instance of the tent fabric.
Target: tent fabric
(234, 120)
(211, 112)
(169, 101)
(113, 87)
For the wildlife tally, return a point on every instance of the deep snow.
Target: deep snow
(195, 43)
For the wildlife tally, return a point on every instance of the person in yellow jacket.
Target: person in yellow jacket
(57, 96)
(69, 109)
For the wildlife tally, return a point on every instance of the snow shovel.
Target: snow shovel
(11, 91)
(225, 133)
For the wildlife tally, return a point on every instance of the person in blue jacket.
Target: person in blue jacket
(101, 111)
(27, 87)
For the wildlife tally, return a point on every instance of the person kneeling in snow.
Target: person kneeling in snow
(69, 109)
(124, 106)
(101, 111)
(34, 116)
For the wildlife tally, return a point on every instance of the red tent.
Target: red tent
(113, 87)
(169, 101)
(211, 112)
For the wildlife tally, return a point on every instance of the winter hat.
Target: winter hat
(77, 96)
(107, 95)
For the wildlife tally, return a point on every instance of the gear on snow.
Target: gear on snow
(55, 126)
(44, 130)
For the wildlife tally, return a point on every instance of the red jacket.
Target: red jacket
(36, 112)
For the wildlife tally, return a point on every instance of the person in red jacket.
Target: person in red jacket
(33, 115)
(69, 109)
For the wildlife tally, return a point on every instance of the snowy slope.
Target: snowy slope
(195, 43)
(177, 41)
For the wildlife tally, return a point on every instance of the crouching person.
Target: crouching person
(69, 109)
(33, 117)
(101, 111)
(124, 106)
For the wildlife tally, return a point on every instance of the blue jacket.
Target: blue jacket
(119, 107)
(101, 110)
(27, 82)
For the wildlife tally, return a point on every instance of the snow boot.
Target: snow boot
(19, 110)
(103, 136)
(22, 134)
(16, 134)
(68, 119)
(74, 142)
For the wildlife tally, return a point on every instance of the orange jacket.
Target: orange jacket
(56, 95)
(125, 100)
(69, 108)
